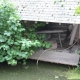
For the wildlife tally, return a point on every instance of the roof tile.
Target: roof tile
(61, 11)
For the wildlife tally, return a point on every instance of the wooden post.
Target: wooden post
(79, 31)
(25, 21)
(36, 22)
(47, 23)
(73, 34)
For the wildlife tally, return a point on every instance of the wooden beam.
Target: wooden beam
(73, 34)
(51, 31)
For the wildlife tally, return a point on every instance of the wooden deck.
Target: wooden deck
(56, 57)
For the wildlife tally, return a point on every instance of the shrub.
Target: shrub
(13, 46)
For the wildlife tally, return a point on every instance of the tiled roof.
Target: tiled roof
(61, 11)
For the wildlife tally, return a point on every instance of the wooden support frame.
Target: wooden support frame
(53, 31)
(79, 31)
(73, 34)
(60, 39)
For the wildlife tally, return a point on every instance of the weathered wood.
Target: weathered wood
(54, 44)
(73, 34)
(52, 31)
(79, 31)
(56, 57)
(60, 39)
(75, 48)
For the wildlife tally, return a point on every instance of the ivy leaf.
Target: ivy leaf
(48, 45)
(13, 27)
(10, 41)
(4, 47)
(2, 59)
(8, 58)
(21, 29)
(31, 52)
(2, 38)
(7, 33)
(12, 62)
(23, 46)
(43, 36)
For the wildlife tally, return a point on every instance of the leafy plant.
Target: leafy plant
(77, 10)
(16, 42)
(30, 34)
(13, 45)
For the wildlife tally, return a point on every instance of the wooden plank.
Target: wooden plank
(52, 31)
(56, 57)
(73, 34)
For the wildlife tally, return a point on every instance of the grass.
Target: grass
(44, 71)
(74, 74)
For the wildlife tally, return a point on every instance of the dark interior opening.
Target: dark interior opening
(59, 41)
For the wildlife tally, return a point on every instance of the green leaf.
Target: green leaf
(48, 46)
(8, 58)
(4, 47)
(43, 36)
(7, 33)
(77, 10)
(12, 62)
(23, 46)
(2, 59)
(2, 38)
(10, 41)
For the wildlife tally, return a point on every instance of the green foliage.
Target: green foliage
(16, 42)
(13, 45)
(78, 67)
(30, 34)
(78, 52)
(77, 10)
